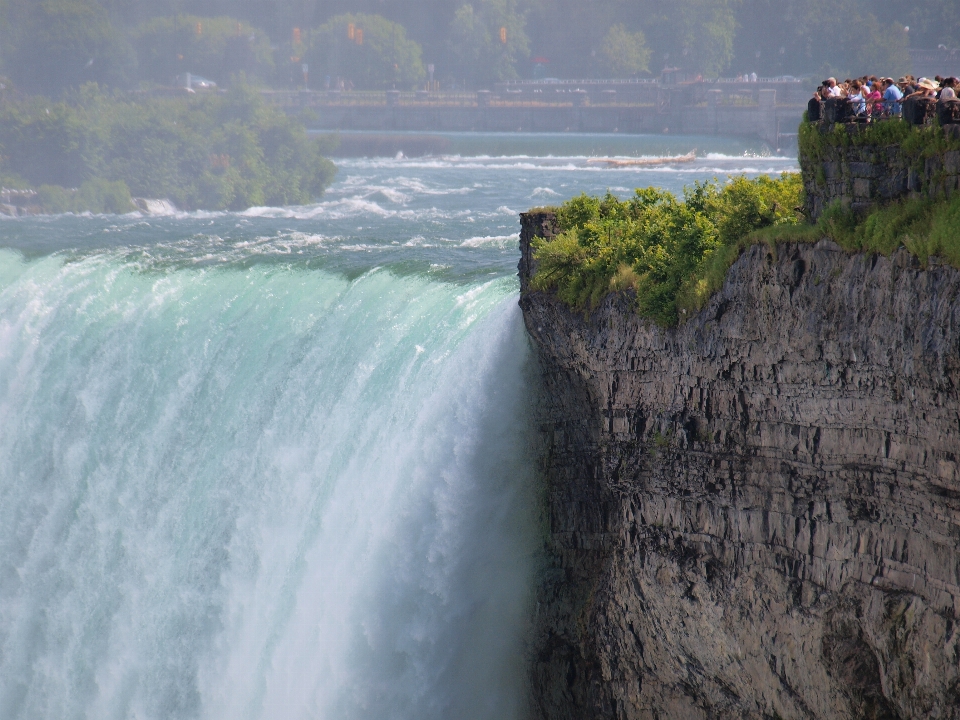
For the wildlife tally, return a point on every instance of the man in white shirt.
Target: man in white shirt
(833, 90)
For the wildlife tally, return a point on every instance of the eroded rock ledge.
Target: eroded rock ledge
(757, 514)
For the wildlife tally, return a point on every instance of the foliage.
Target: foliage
(45, 45)
(46, 143)
(387, 58)
(886, 47)
(659, 246)
(98, 196)
(217, 48)
(828, 37)
(923, 226)
(476, 41)
(706, 33)
(626, 52)
(51, 45)
(675, 255)
(215, 151)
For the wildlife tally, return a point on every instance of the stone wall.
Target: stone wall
(862, 177)
(755, 514)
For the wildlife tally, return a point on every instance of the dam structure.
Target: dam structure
(768, 109)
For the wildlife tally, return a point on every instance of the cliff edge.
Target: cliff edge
(755, 514)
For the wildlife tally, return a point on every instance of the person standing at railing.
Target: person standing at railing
(925, 89)
(832, 89)
(907, 85)
(891, 97)
(874, 99)
(948, 91)
(856, 99)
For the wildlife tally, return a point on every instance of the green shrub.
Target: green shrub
(54, 199)
(96, 196)
(922, 226)
(672, 253)
(103, 196)
(387, 58)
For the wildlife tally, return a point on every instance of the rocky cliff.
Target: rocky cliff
(756, 514)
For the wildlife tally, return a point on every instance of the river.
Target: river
(281, 463)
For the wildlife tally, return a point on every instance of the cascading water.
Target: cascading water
(260, 493)
(277, 464)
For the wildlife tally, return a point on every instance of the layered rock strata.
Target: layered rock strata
(756, 514)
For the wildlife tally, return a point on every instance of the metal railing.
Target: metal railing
(555, 97)
(589, 81)
(647, 94)
(368, 98)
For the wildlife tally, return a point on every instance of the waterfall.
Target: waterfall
(261, 491)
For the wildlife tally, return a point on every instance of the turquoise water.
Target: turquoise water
(280, 463)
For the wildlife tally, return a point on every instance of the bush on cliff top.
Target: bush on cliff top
(817, 143)
(672, 253)
(675, 255)
(924, 227)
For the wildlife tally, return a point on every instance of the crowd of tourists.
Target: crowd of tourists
(875, 97)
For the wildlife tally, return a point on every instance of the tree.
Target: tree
(218, 48)
(217, 150)
(378, 55)
(706, 32)
(51, 45)
(885, 50)
(488, 40)
(801, 36)
(626, 52)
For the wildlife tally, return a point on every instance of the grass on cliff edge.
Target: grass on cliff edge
(675, 254)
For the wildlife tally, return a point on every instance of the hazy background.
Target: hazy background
(49, 45)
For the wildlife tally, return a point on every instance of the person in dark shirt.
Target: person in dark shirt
(906, 85)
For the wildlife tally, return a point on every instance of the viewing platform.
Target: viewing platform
(863, 162)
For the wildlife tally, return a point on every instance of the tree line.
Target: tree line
(50, 45)
(217, 151)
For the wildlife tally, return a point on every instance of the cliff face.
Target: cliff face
(756, 514)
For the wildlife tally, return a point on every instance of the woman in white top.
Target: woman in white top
(948, 92)
(856, 99)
